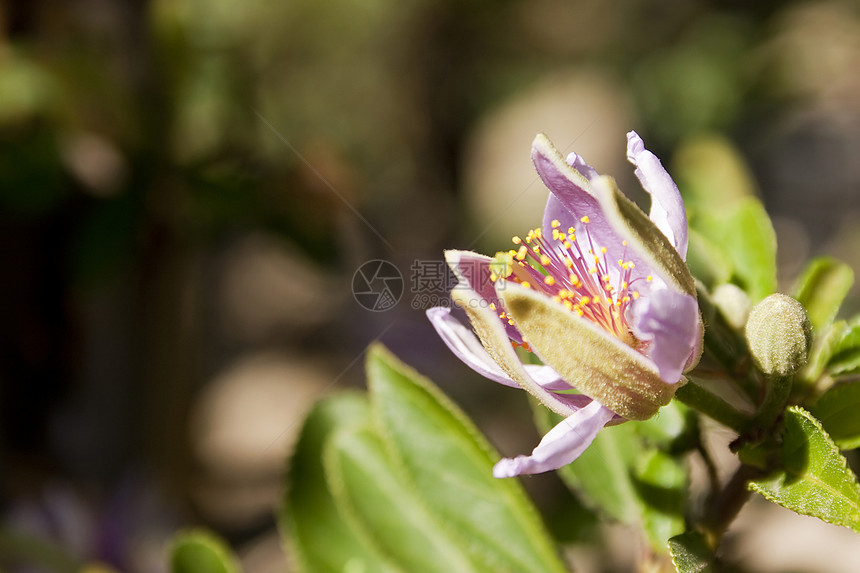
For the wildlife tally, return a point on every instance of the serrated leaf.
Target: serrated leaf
(815, 479)
(845, 356)
(376, 498)
(450, 465)
(821, 289)
(837, 410)
(690, 553)
(320, 539)
(200, 551)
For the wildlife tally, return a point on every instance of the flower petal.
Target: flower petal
(670, 321)
(466, 346)
(572, 198)
(588, 357)
(561, 445)
(667, 207)
(653, 250)
(495, 340)
(473, 271)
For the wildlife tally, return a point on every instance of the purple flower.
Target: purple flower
(600, 294)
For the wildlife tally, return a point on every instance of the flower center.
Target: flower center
(575, 271)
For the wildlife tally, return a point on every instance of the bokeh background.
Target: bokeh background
(187, 188)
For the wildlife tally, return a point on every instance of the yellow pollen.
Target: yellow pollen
(623, 243)
(493, 277)
(544, 260)
(549, 280)
(585, 219)
(623, 285)
(649, 278)
(603, 249)
(538, 233)
(526, 285)
(635, 294)
(567, 304)
(592, 270)
(584, 301)
(555, 224)
(571, 231)
(492, 306)
(579, 312)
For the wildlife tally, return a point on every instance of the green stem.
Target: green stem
(712, 406)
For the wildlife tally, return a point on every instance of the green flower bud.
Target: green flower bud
(778, 333)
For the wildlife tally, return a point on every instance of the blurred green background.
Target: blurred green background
(187, 188)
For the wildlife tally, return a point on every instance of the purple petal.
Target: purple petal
(466, 346)
(561, 445)
(578, 163)
(572, 198)
(667, 207)
(473, 271)
(669, 321)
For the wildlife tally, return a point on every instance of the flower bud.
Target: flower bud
(778, 333)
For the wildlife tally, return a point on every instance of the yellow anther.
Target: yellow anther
(567, 304)
(516, 240)
(565, 244)
(538, 233)
(592, 270)
(649, 278)
(621, 263)
(571, 231)
(603, 249)
(544, 260)
(555, 224)
(584, 219)
(521, 254)
(623, 243)
(623, 285)
(579, 312)
(625, 299)
(492, 306)
(549, 280)
(584, 301)
(568, 263)
(635, 294)
(493, 277)
(526, 285)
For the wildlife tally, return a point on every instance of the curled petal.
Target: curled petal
(671, 323)
(466, 346)
(473, 271)
(667, 207)
(497, 344)
(561, 445)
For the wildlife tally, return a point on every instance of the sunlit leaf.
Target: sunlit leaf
(450, 465)
(377, 500)
(199, 551)
(320, 540)
(815, 479)
(821, 289)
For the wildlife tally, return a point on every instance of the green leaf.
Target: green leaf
(750, 241)
(690, 553)
(821, 289)
(837, 410)
(845, 357)
(707, 261)
(815, 479)
(199, 551)
(450, 465)
(378, 501)
(661, 484)
(824, 345)
(315, 529)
